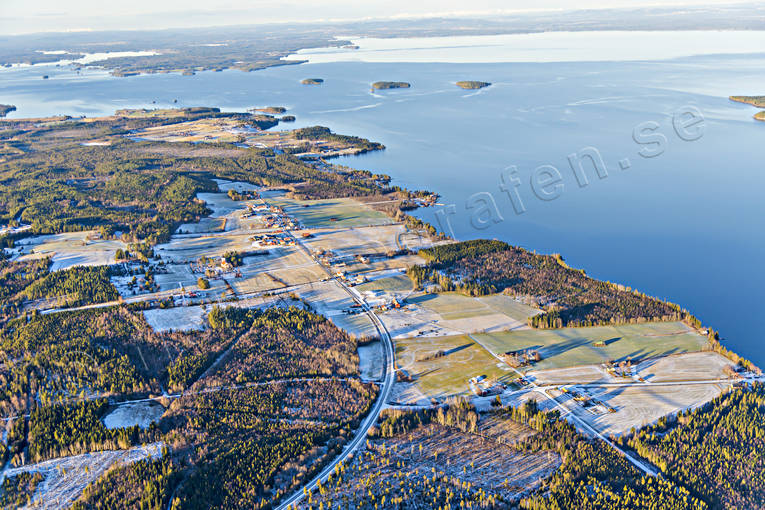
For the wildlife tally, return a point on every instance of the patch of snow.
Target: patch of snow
(138, 413)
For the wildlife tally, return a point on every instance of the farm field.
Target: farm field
(320, 213)
(359, 325)
(376, 240)
(573, 375)
(195, 131)
(507, 305)
(685, 367)
(389, 284)
(189, 249)
(447, 375)
(636, 406)
(259, 278)
(371, 361)
(570, 347)
(183, 318)
(454, 306)
(446, 314)
(69, 249)
(401, 262)
(329, 299)
(221, 205)
(413, 320)
(451, 306)
(203, 226)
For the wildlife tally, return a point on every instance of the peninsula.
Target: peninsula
(758, 101)
(223, 293)
(5, 109)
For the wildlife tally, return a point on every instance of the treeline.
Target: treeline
(63, 430)
(715, 450)
(568, 296)
(80, 285)
(457, 412)
(22, 281)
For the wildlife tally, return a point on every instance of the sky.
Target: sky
(25, 16)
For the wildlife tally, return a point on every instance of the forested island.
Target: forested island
(5, 109)
(272, 110)
(471, 85)
(385, 85)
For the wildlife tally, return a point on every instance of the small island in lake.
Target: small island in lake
(758, 101)
(270, 109)
(5, 109)
(384, 85)
(287, 118)
(313, 81)
(471, 85)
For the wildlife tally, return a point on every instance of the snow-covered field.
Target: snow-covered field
(69, 249)
(371, 361)
(137, 413)
(182, 318)
(65, 478)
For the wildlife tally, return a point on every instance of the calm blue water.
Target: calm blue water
(685, 225)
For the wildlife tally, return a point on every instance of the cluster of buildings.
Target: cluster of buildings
(213, 267)
(622, 369)
(276, 238)
(587, 401)
(521, 358)
(482, 386)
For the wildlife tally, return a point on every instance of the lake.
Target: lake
(684, 224)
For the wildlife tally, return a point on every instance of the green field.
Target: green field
(570, 347)
(398, 283)
(509, 306)
(447, 375)
(453, 306)
(320, 213)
